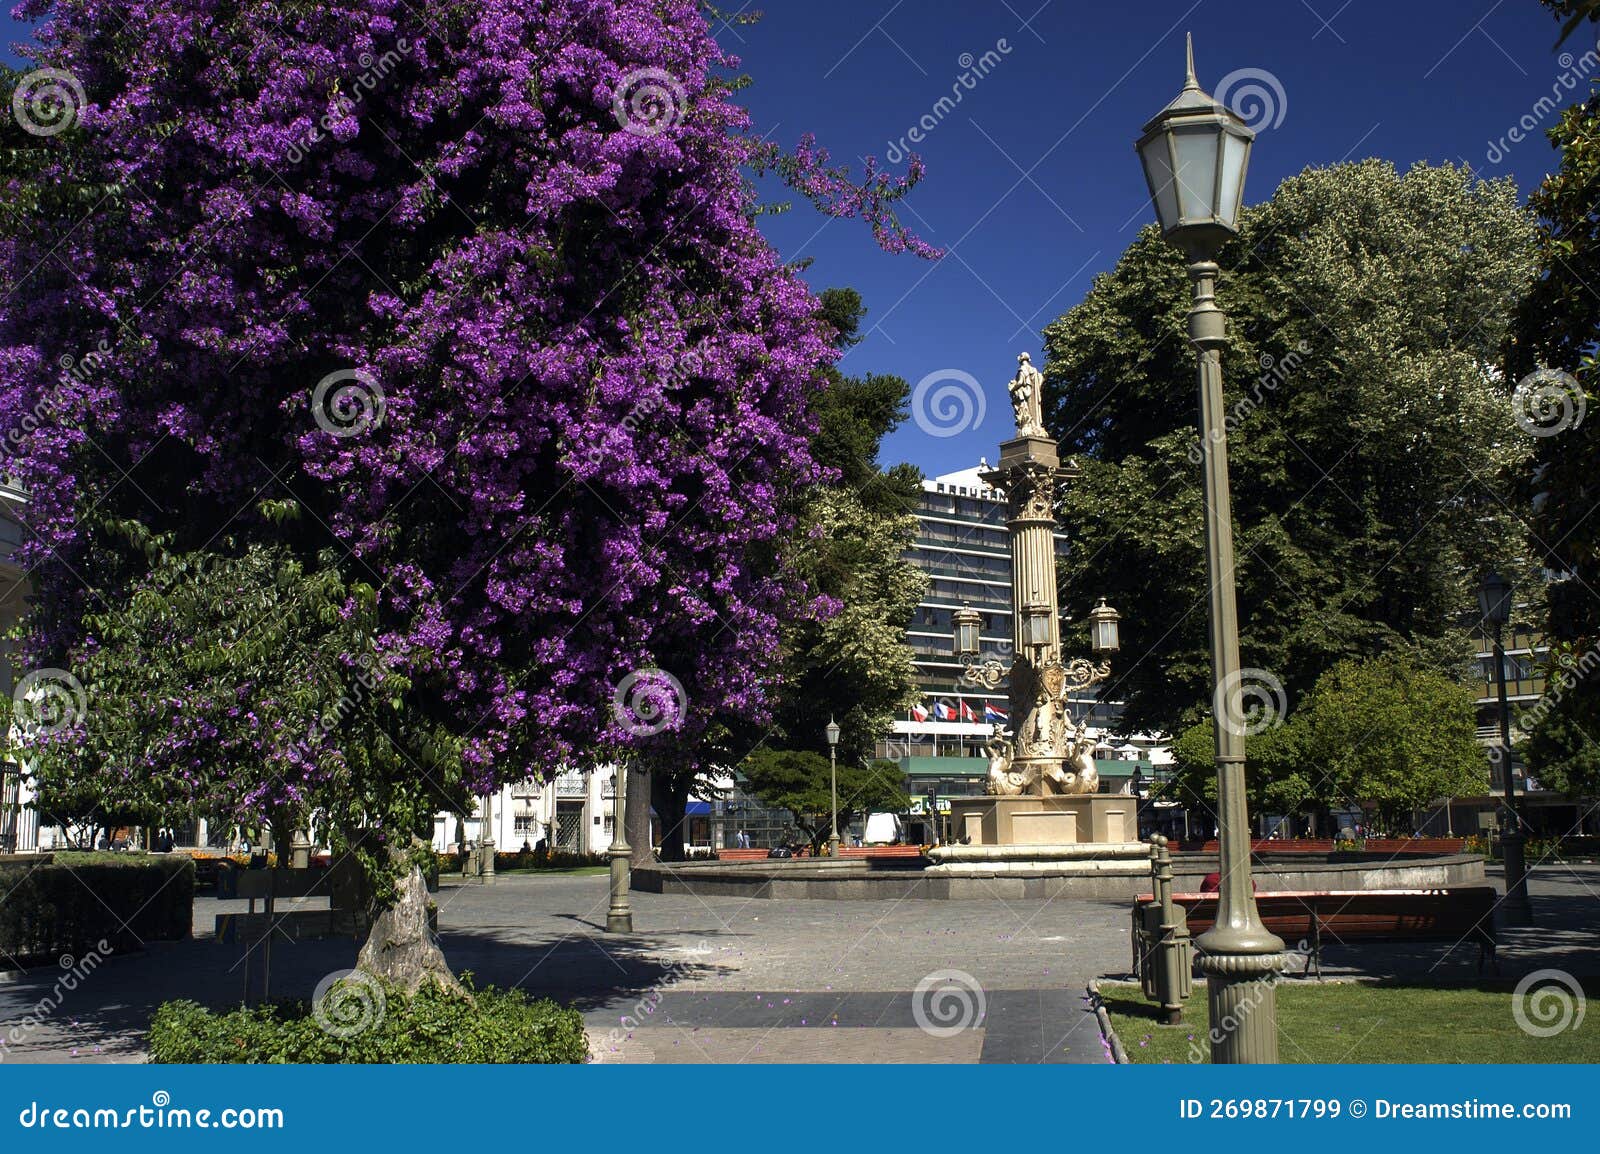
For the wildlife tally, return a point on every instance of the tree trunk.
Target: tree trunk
(671, 795)
(401, 948)
(282, 828)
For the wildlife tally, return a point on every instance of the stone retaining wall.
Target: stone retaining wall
(1119, 881)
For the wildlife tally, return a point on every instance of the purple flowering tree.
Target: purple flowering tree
(461, 304)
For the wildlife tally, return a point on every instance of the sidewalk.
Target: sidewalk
(729, 979)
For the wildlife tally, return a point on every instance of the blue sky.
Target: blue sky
(1032, 184)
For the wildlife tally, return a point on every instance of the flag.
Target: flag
(943, 712)
(993, 713)
(967, 713)
(919, 712)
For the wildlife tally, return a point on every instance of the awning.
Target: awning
(697, 809)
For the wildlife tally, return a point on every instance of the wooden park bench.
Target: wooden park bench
(881, 851)
(1303, 918)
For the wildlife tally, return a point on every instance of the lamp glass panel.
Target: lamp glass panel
(1234, 151)
(1494, 599)
(1158, 171)
(1038, 625)
(1197, 171)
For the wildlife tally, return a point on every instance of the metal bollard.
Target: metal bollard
(1173, 981)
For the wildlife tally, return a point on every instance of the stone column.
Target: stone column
(1028, 471)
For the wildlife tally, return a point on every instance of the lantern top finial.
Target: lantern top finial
(1193, 100)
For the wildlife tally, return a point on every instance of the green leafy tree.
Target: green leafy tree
(1368, 430)
(234, 670)
(798, 780)
(1277, 781)
(1390, 736)
(1555, 736)
(1556, 338)
(854, 667)
(1384, 734)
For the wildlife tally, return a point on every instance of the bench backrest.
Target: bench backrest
(1360, 913)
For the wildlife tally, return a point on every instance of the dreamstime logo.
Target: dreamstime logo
(649, 101)
(648, 701)
(367, 677)
(1574, 71)
(1547, 1003)
(1547, 402)
(973, 69)
(948, 402)
(1274, 372)
(1250, 701)
(49, 700)
(348, 1003)
(645, 1007)
(1568, 668)
(356, 403)
(343, 104)
(1256, 96)
(46, 102)
(74, 971)
(1240, 1014)
(947, 1002)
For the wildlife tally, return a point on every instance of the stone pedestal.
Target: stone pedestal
(1045, 821)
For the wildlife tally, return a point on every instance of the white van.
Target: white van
(883, 829)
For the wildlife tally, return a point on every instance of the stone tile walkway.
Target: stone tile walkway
(735, 980)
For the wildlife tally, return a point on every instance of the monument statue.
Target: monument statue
(1027, 390)
(1003, 780)
(1076, 772)
(1042, 808)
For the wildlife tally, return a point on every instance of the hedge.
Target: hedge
(79, 900)
(561, 859)
(365, 1021)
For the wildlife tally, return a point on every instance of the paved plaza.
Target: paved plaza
(739, 980)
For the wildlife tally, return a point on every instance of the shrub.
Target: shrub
(561, 859)
(371, 1022)
(82, 899)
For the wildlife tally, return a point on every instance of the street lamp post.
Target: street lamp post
(833, 785)
(1494, 599)
(1194, 154)
(1136, 787)
(619, 918)
(486, 842)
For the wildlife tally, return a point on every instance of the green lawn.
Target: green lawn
(1346, 1022)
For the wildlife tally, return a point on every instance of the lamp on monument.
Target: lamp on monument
(1103, 634)
(1194, 152)
(1494, 598)
(966, 621)
(1036, 625)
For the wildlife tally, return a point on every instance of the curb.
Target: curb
(1114, 1043)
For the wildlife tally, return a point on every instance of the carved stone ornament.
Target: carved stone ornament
(1003, 781)
(1033, 493)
